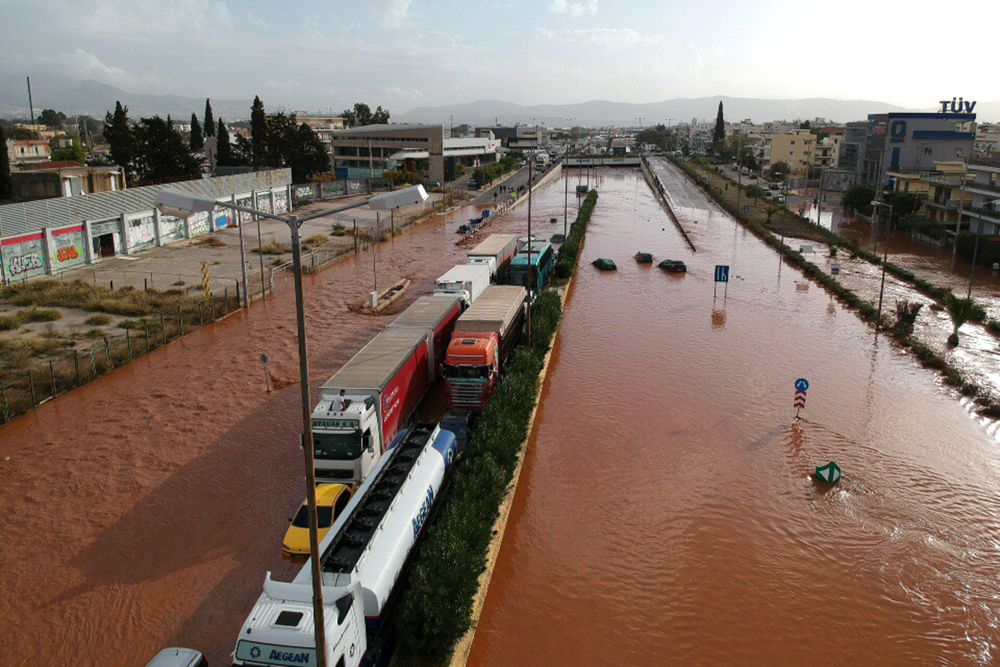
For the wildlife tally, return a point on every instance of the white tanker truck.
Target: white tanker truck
(361, 559)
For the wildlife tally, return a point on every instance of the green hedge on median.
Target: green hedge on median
(435, 607)
(569, 250)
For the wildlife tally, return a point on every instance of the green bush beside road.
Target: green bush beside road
(436, 603)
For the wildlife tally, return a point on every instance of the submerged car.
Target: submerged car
(331, 499)
(644, 257)
(605, 264)
(673, 266)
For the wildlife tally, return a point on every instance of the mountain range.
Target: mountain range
(681, 109)
(94, 98)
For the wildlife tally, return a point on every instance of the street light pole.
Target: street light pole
(565, 199)
(243, 258)
(529, 279)
(307, 448)
(885, 259)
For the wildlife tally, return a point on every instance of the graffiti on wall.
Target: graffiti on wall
(24, 257)
(198, 223)
(171, 228)
(69, 249)
(264, 202)
(141, 232)
(281, 202)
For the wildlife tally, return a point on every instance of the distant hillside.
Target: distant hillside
(602, 112)
(94, 98)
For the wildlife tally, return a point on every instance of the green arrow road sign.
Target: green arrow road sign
(828, 474)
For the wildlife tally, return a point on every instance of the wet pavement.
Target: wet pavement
(665, 513)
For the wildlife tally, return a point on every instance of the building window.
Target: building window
(928, 150)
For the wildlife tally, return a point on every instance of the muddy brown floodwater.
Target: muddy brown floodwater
(143, 510)
(665, 513)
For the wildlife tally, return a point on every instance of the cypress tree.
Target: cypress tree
(719, 134)
(223, 149)
(120, 139)
(209, 119)
(6, 189)
(258, 133)
(197, 140)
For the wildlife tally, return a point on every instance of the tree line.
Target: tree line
(154, 151)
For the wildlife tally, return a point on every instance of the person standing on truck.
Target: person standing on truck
(339, 402)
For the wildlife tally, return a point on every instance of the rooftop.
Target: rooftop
(392, 127)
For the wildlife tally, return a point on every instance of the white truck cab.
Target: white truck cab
(346, 442)
(490, 262)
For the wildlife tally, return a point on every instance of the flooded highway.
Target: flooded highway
(142, 510)
(665, 513)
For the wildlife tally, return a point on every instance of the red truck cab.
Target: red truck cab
(472, 366)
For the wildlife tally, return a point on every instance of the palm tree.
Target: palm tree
(960, 311)
(906, 316)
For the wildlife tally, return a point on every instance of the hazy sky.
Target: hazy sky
(310, 54)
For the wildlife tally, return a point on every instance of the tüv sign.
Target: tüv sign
(957, 105)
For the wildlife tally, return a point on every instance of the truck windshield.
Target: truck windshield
(466, 372)
(341, 446)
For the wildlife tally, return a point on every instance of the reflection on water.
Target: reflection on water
(665, 513)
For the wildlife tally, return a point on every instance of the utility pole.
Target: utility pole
(885, 259)
(31, 105)
(739, 174)
(243, 256)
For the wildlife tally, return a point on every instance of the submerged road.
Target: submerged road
(142, 510)
(665, 513)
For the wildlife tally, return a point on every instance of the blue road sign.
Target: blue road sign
(746, 209)
(802, 384)
(721, 273)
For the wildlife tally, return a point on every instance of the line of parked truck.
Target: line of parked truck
(364, 439)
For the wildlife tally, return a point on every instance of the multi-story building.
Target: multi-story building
(826, 153)
(795, 148)
(44, 180)
(983, 185)
(323, 126)
(904, 142)
(946, 195)
(23, 151)
(852, 146)
(987, 140)
(368, 150)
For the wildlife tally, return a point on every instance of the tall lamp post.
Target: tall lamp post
(975, 247)
(885, 258)
(188, 203)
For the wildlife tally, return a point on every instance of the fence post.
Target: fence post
(237, 291)
(128, 344)
(76, 365)
(145, 284)
(52, 378)
(163, 330)
(145, 326)
(111, 285)
(31, 388)
(93, 364)
(3, 400)
(225, 299)
(180, 319)
(355, 236)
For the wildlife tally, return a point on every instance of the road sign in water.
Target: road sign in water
(828, 474)
(722, 273)
(802, 384)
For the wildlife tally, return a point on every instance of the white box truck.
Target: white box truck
(466, 281)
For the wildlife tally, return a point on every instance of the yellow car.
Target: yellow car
(331, 499)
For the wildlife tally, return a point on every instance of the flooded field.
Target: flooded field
(665, 513)
(143, 510)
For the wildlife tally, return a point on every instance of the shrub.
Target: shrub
(9, 322)
(98, 320)
(272, 248)
(211, 241)
(35, 314)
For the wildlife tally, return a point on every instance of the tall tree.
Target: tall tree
(118, 134)
(258, 133)
(309, 155)
(6, 189)
(281, 140)
(197, 140)
(223, 149)
(242, 152)
(719, 133)
(209, 119)
(362, 114)
(52, 118)
(161, 154)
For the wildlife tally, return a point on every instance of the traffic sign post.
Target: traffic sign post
(721, 276)
(801, 387)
